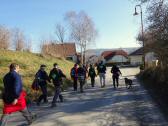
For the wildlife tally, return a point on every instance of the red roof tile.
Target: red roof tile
(109, 54)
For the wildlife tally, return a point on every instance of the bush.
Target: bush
(156, 81)
(141, 67)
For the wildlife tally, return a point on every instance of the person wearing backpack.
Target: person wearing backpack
(74, 77)
(101, 68)
(81, 73)
(116, 73)
(42, 78)
(92, 75)
(56, 76)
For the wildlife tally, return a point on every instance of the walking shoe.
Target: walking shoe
(46, 101)
(33, 118)
(61, 100)
(53, 105)
(38, 103)
(81, 91)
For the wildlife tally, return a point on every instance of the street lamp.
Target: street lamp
(142, 30)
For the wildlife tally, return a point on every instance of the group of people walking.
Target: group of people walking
(81, 72)
(14, 95)
(55, 76)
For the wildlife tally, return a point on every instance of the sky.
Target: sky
(114, 20)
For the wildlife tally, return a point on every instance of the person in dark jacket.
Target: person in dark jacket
(92, 75)
(42, 78)
(14, 96)
(116, 73)
(56, 76)
(81, 72)
(101, 68)
(73, 75)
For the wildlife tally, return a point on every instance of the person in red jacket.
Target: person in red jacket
(14, 96)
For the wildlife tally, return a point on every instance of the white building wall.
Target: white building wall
(136, 60)
(118, 58)
(149, 57)
(151, 60)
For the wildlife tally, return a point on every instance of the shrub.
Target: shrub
(156, 81)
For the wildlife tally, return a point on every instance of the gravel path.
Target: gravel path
(100, 107)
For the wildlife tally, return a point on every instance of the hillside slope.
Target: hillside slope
(30, 63)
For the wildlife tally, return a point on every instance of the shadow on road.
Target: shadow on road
(104, 107)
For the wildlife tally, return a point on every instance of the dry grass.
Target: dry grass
(30, 63)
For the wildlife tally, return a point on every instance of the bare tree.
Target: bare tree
(82, 30)
(18, 39)
(28, 45)
(144, 1)
(5, 37)
(156, 35)
(60, 32)
(45, 46)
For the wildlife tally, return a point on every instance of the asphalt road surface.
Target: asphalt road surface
(100, 107)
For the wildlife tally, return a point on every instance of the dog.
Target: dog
(128, 83)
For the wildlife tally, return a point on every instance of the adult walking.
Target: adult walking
(14, 96)
(56, 76)
(42, 78)
(81, 73)
(116, 73)
(92, 75)
(74, 77)
(101, 69)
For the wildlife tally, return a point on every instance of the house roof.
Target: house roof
(109, 54)
(66, 49)
(92, 56)
(137, 52)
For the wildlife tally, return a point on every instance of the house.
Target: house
(66, 50)
(136, 57)
(151, 60)
(92, 59)
(115, 57)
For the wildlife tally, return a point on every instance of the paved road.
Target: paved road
(100, 107)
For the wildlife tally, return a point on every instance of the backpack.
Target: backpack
(73, 73)
(54, 76)
(35, 85)
(92, 72)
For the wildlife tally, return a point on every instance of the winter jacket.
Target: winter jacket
(92, 73)
(101, 68)
(115, 71)
(56, 76)
(12, 87)
(81, 72)
(42, 77)
(74, 73)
